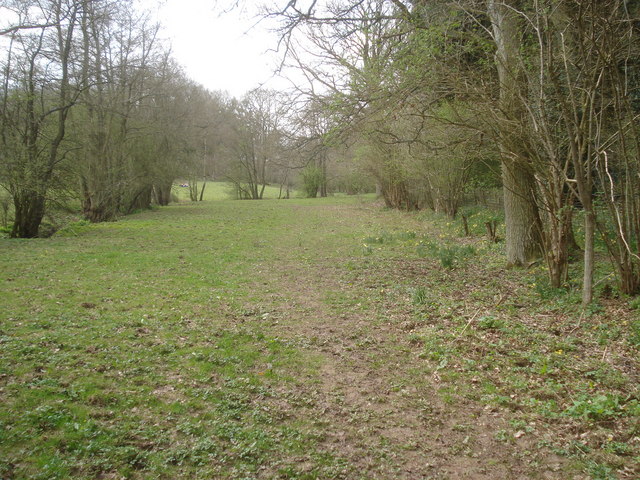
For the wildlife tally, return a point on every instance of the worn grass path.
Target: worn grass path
(302, 339)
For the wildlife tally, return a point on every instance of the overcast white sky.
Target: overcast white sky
(219, 51)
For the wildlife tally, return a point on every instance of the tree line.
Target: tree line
(540, 96)
(96, 116)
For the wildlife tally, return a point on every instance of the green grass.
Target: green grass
(194, 341)
(224, 191)
(118, 353)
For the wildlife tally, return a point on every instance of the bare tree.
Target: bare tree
(256, 141)
(37, 96)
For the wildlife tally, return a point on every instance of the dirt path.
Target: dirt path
(377, 402)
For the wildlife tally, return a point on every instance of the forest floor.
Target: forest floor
(306, 339)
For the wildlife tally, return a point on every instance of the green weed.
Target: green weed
(490, 322)
(602, 407)
(380, 239)
(598, 471)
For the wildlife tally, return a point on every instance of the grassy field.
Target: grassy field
(305, 339)
(214, 191)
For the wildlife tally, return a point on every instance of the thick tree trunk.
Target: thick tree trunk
(29, 211)
(522, 221)
(163, 194)
(521, 214)
(100, 203)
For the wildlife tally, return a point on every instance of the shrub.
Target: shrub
(312, 180)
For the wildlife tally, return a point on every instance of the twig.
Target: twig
(578, 325)
(603, 279)
(604, 354)
(468, 323)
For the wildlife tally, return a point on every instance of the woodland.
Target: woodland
(422, 260)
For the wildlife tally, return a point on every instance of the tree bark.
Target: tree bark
(521, 214)
(29, 211)
(163, 194)
(522, 220)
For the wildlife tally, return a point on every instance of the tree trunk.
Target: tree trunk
(141, 200)
(163, 194)
(522, 221)
(521, 214)
(29, 211)
(323, 178)
(204, 184)
(193, 189)
(589, 234)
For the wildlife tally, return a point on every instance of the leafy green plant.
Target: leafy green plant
(490, 322)
(617, 448)
(501, 435)
(600, 407)
(544, 289)
(635, 303)
(599, 471)
(381, 238)
(406, 236)
(426, 248)
(451, 256)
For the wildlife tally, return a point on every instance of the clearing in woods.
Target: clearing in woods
(304, 339)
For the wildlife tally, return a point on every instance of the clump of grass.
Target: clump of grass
(450, 255)
(635, 303)
(380, 239)
(406, 236)
(73, 229)
(419, 296)
(600, 471)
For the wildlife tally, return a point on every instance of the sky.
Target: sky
(221, 51)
